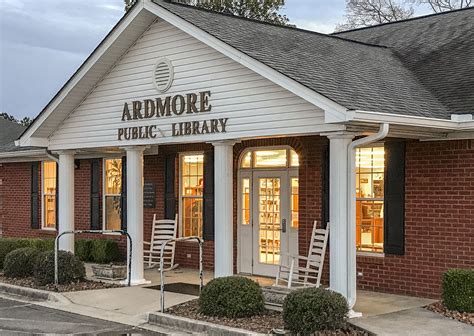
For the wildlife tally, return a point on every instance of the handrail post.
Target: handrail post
(162, 281)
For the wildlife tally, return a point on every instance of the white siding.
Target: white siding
(254, 105)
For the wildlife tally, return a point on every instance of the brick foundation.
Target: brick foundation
(439, 226)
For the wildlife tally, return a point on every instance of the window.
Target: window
(370, 198)
(191, 194)
(49, 195)
(245, 201)
(112, 194)
(270, 158)
(294, 202)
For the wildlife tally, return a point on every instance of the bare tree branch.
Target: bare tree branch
(362, 13)
(439, 6)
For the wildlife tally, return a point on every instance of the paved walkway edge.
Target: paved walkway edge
(32, 294)
(184, 323)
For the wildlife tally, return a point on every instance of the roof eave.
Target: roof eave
(27, 137)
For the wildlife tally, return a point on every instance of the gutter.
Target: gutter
(52, 156)
(351, 212)
(25, 153)
(458, 122)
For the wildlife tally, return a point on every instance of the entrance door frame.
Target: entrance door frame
(242, 173)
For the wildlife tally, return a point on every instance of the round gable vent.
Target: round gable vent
(163, 75)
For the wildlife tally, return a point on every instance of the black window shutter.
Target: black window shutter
(57, 197)
(394, 198)
(325, 175)
(123, 196)
(208, 211)
(95, 194)
(35, 224)
(170, 196)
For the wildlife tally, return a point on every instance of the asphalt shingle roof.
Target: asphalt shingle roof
(361, 76)
(438, 49)
(9, 132)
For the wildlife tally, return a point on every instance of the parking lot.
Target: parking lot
(20, 318)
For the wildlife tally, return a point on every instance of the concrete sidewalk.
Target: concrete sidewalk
(383, 314)
(413, 322)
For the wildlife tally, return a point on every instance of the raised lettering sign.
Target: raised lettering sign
(190, 103)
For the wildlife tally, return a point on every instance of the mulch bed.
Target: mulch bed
(439, 308)
(73, 287)
(263, 323)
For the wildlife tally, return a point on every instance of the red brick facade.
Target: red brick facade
(439, 224)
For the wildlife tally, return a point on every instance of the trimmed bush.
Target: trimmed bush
(83, 249)
(105, 251)
(308, 310)
(71, 268)
(20, 263)
(8, 245)
(458, 290)
(231, 297)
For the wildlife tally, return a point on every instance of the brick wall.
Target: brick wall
(439, 210)
(439, 221)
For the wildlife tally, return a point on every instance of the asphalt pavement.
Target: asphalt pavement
(20, 318)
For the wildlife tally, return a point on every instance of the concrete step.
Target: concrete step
(274, 297)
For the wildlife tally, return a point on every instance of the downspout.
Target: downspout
(53, 157)
(351, 215)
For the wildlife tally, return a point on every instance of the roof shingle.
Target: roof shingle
(358, 76)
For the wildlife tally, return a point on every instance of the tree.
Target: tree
(26, 121)
(364, 13)
(439, 6)
(263, 10)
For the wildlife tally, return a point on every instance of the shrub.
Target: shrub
(458, 290)
(9, 244)
(308, 310)
(20, 263)
(105, 251)
(41, 244)
(83, 249)
(231, 297)
(70, 268)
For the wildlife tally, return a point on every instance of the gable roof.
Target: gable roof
(333, 72)
(358, 76)
(437, 48)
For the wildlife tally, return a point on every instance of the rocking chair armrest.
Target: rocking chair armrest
(146, 243)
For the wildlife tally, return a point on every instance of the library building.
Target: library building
(254, 136)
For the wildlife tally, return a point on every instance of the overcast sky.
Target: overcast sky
(42, 42)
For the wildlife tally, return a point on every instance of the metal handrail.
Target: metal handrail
(122, 232)
(162, 281)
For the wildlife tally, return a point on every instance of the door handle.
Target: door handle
(283, 225)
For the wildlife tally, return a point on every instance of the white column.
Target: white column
(339, 267)
(135, 211)
(66, 199)
(223, 209)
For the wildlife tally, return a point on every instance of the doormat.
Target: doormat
(179, 287)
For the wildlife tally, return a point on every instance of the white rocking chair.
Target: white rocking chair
(162, 230)
(293, 275)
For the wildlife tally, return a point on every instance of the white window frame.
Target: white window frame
(43, 217)
(104, 176)
(180, 185)
(377, 199)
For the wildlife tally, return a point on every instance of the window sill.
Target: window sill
(48, 229)
(370, 254)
